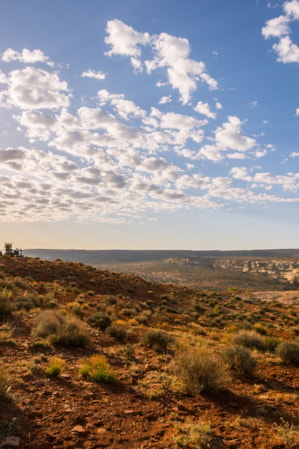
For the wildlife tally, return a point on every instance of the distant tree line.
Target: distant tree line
(10, 252)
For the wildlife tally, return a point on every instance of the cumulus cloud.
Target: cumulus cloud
(125, 41)
(287, 51)
(116, 160)
(165, 99)
(11, 154)
(27, 56)
(93, 74)
(33, 88)
(228, 136)
(169, 52)
(279, 27)
(204, 109)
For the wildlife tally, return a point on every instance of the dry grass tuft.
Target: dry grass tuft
(200, 369)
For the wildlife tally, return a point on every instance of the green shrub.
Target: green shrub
(70, 335)
(271, 343)
(97, 368)
(288, 351)
(157, 340)
(99, 321)
(239, 359)
(200, 369)
(60, 329)
(6, 304)
(55, 366)
(249, 339)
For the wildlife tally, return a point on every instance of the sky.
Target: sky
(149, 125)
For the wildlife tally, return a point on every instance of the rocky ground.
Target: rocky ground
(145, 405)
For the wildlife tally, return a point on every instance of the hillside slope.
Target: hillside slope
(136, 397)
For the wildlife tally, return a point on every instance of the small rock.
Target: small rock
(78, 429)
(11, 442)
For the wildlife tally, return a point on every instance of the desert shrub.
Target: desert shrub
(60, 329)
(48, 301)
(127, 312)
(157, 340)
(193, 435)
(6, 303)
(118, 333)
(271, 343)
(97, 368)
(48, 323)
(55, 366)
(260, 328)
(4, 382)
(70, 335)
(288, 351)
(295, 329)
(76, 308)
(128, 352)
(99, 321)
(28, 301)
(249, 339)
(288, 433)
(200, 369)
(239, 359)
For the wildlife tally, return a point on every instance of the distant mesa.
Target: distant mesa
(179, 261)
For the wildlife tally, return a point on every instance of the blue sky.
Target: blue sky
(148, 125)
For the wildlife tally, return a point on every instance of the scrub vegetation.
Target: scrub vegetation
(92, 358)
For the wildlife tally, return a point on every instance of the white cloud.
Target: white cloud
(204, 109)
(210, 152)
(38, 124)
(9, 154)
(124, 40)
(33, 88)
(165, 99)
(93, 74)
(126, 109)
(287, 51)
(229, 136)
(115, 160)
(236, 156)
(169, 52)
(240, 173)
(279, 27)
(294, 154)
(291, 8)
(27, 56)
(254, 104)
(260, 153)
